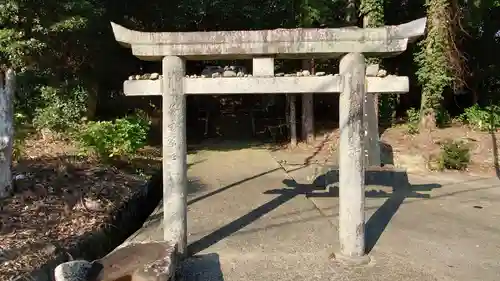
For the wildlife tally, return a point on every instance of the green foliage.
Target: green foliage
(21, 131)
(413, 119)
(59, 111)
(387, 108)
(438, 59)
(33, 33)
(374, 10)
(454, 155)
(443, 118)
(312, 11)
(373, 16)
(483, 119)
(120, 137)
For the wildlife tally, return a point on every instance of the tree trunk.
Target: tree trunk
(6, 131)
(351, 18)
(92, 103)
(308, 109)
(367, 23)
(292, 119)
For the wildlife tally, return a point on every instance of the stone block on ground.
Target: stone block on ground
(150, 261)
(78, 270)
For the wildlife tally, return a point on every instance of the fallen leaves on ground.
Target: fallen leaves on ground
(60, 197)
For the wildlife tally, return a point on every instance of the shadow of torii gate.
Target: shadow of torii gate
(322, 187)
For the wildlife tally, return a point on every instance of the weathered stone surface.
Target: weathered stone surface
(229, 73)
(372, 70)
(147, 261)
(78, 270)
(263, 66)
(150, 260)
(267, 85)
(382, 73)
(174, 151)
(282, 43)
(351, 159)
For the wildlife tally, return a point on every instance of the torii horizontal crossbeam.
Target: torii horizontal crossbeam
(266, 85)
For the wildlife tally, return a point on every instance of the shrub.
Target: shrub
(120, 137)
(59, 110)
(443, 118)
(413, 118)
(483, 119)
(21, 131)
(454, 155)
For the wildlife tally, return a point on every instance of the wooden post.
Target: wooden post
(372, 141)
(174, 153)
(7, 90)
(292, 119)
(307, 110)
(351, 160)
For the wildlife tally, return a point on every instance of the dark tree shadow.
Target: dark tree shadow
(155, 219)
(375, 226)
(220, 144)
(286, 195)
(397, 180)
(386, 154)
(217, 191)
(200, 268)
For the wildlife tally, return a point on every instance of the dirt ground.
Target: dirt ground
(60, 197)
(414, 152)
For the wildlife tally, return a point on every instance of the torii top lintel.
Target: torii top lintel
(279, 43)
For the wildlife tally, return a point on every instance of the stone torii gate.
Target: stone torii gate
(357, 121)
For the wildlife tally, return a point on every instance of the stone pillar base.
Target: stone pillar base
(352, 261)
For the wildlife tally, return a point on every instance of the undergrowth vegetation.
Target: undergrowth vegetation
(482, 119)
(121, 137)
(61, 113)
(454, 155)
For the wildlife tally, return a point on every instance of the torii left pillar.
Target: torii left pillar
(174, 147)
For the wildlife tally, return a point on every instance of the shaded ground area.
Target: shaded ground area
(62, 199)
(259, 219)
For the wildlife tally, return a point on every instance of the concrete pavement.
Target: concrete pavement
(251, 218)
